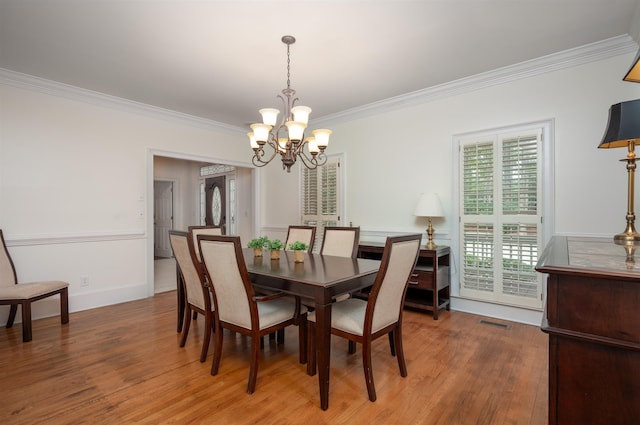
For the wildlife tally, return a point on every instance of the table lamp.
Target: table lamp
(623, 130)
(429, 206)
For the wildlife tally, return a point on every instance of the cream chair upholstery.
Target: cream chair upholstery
(197, 295)
(237, 308)
(306, 234)
(23, 294)
(340, 241)
(202, 230)
(363, 321)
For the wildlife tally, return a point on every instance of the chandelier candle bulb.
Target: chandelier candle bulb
(313, 146)
(252, 141)
(269, 116)
(261, 133)
(301, 114)
(296, 130)
(322, 137)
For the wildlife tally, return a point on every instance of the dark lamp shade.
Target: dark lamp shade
(623, 125)
(634, 73)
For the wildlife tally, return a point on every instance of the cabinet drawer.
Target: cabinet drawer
(421, 279)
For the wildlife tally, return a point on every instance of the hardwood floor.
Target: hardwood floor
(121, 364)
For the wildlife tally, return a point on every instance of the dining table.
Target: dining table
(318, 279)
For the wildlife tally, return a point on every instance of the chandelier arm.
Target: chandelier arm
(315, 161)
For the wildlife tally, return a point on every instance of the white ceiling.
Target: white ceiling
(223, 60)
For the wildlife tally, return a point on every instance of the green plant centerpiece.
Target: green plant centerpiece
(298, 249)
(258, 244)
(275, 246)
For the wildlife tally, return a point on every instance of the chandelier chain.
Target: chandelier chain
(288, 68)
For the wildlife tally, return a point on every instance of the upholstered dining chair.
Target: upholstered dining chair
(340, 241)
(197, 295)
(238, 309)
(306, 234)
(203, 230)
(23, 294)
(364, 321)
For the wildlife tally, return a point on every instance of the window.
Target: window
(321, 197)
(500, 207)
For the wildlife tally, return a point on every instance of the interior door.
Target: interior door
(162, 217)
(216, 203)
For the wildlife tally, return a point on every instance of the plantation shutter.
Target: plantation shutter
(320, 198)
(501, 218)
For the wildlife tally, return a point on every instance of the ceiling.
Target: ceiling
(223, 60)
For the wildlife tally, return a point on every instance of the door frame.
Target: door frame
(151, 153)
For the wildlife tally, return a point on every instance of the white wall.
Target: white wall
(74, 175)
(395, 155)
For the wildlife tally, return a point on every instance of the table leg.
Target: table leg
(323, 350)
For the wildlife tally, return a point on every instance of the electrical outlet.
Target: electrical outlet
(84, 280)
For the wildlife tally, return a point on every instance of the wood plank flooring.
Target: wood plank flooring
(122, 364)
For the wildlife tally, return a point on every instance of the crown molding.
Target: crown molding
(54, 88)
(588, 53)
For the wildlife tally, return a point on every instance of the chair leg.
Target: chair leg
(352, 347)
(392, 346)
(311, 348)
(64, 306)
(368, 371)
(207, 337)
(186, 325)
(280, 336)
(217, 350)
(12, 315)
(26, 321)
(302, 338)
(397, 336)
(253, 369)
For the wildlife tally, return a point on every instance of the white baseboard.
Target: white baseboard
(497, 311)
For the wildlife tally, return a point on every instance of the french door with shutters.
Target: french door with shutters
(500, 208)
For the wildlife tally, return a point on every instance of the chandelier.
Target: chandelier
(287, 138)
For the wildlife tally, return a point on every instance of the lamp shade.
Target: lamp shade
(634, 73)
(623, 125)
(429, 206)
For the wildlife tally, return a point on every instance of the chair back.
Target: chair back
(7, 270)
(190, 269)
(340, 241)
(387, 294)
(306, 234)
(232, 289)
(202, 230)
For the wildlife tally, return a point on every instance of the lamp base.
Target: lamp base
(625, 238)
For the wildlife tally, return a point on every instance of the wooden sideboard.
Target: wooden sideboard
(429, 283)
(592, 317)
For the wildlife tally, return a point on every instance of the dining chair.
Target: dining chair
(197, 294)
(237, 307)
(306, 234)
(363, 321)
(203, 230)
(340, 241)
(23, 294)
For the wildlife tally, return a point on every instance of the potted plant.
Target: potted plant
(258, 245)
(298, 249)
(275, 246)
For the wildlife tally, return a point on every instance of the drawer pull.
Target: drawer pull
(413, 282)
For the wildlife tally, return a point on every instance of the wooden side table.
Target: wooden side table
(430, 281)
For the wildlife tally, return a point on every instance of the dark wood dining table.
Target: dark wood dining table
(320, 278)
